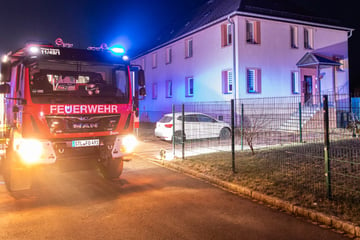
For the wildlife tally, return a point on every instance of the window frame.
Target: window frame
(256, 89)
(154, 60)
(154, 89)
(189, 48)
(169, 89)
(227, 81)
(294, 37)
(168, 55)
(253, 32)
(341, 60)
(295, 82)
(308, 38)
(189, 86)
(226, 35)
(142, 63)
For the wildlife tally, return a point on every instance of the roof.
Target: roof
(215, 9)
(311, 60)
(211, 11)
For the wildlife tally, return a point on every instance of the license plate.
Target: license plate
(85, 143)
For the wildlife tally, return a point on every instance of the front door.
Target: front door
(307, 88)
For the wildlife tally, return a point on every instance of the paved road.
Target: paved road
(149, 202)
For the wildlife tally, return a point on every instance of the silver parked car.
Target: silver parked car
(197, 126)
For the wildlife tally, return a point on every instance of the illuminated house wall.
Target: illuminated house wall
(272, 61)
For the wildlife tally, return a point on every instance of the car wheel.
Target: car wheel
(225, 133)
(178, 137)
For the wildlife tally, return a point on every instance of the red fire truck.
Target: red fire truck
(64, 103)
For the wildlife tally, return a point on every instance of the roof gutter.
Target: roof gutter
(293, 21)
(240, 13)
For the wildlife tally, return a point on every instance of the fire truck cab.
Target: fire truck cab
(65, 103)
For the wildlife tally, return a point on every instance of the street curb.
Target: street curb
(317, 217)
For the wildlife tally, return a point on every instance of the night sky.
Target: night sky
(132, 23)
(135, 24)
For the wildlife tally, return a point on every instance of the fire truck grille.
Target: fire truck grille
(83, 123)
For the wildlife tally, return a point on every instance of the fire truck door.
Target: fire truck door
(17, 91)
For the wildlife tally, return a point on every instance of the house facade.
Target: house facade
(227, 52)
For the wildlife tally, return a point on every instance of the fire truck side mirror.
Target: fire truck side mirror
(141, 83)
(4, 88)
(141, 78)
(5, 71)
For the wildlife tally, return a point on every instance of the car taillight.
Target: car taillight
(168, 125)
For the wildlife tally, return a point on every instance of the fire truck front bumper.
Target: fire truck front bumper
(33, 151)
(124, 147)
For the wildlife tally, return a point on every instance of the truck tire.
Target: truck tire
(111, 168)
(17, 176)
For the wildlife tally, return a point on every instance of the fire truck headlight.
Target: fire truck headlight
(34, 50)
(30, 150)
(5, 59)
(129, 143)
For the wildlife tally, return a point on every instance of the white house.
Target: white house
(234, 49)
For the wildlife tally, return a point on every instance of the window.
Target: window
(206, 119)
(189, 118)
(168, 57)
(18, 76)
(20, 80)
(253, 32)
(188, 48)
(168, 89)
(226, 35)
(295, 82)
(294, 40)
(154, 60)
(154, 90)
(189, 87)
(227, 81)
(339, 59)
(142, 63)
(308, 38)
(253, 79)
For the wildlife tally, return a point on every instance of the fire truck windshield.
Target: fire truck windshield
(58, 82)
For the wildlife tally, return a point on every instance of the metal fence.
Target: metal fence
(311, 146)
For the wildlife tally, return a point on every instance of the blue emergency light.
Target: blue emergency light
(116, 49)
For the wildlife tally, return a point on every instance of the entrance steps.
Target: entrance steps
(293, 122)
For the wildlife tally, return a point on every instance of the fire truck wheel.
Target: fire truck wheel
(111, 168)
(17, 177)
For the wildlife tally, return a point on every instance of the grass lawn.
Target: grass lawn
(293, 173)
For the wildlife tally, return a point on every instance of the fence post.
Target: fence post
(300, 122)
(173, 138)
(242, 127)
(183, 132)
(233, 135)
(327, 147)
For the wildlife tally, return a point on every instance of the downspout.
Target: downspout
(350, 33)
(231, 21)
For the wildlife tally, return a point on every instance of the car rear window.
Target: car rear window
(165, 119)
